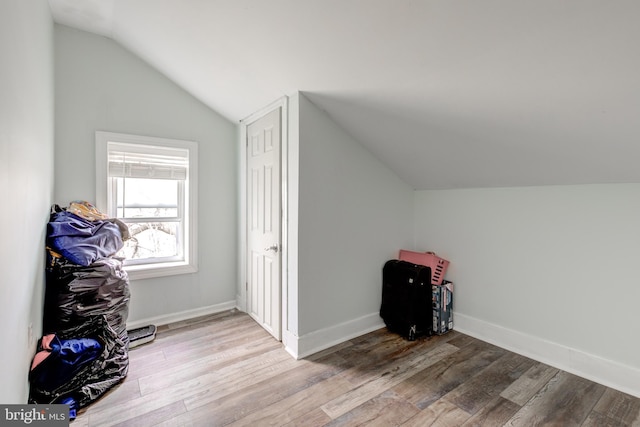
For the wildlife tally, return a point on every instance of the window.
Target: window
(150, 184)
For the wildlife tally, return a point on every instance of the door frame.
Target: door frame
(241, 293)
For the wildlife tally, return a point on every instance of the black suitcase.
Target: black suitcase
(406, 298)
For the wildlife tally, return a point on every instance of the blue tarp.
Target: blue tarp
(82, 241)
(65, 358)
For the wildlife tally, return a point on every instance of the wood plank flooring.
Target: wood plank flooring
(224, 370)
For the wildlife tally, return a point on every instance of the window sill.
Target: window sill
(149, 271)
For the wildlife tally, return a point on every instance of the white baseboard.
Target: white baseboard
(241, 303)
(290, 342)
(603, 371)
(165, 319)
(313, 342)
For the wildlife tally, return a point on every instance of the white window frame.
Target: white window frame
(190, 245)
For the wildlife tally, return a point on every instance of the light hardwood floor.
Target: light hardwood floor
(225, 370)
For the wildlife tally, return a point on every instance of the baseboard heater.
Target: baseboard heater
(143, 335)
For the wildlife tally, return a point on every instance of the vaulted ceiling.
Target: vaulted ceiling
(447, 93)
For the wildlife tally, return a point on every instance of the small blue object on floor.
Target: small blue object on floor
(73, 407)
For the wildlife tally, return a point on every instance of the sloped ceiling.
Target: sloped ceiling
(449, 94)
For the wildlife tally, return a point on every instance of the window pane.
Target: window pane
(151, 240)
(147, 198)
(149, 184)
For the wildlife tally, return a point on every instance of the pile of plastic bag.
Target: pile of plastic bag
(84, 350)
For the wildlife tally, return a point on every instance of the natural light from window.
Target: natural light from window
(148, 183)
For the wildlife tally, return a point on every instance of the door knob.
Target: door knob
(273, 248)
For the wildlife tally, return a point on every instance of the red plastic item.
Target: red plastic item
(430, 259)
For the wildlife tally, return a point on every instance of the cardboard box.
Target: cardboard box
(442, 299)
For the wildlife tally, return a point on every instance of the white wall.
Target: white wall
(101, 86)
(353, 214)
(26, 182)
(551, 272)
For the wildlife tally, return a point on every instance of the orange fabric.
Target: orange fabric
(45, 344)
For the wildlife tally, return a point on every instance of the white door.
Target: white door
(263, 221)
